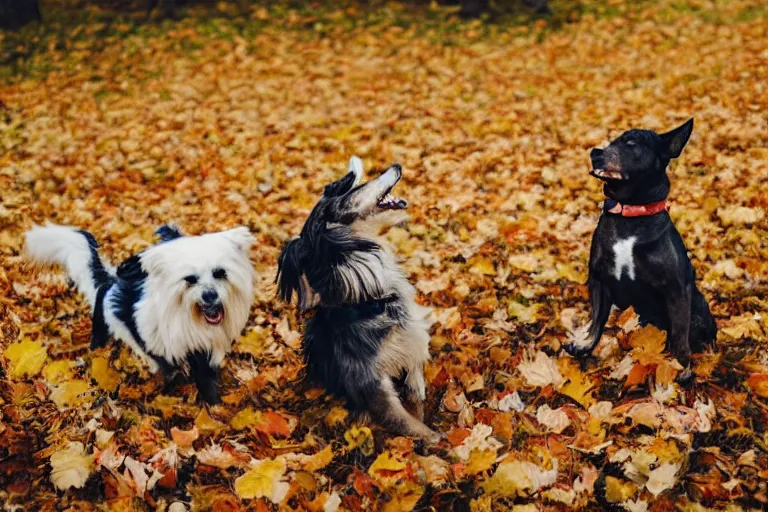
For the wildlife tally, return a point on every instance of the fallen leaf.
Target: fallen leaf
(263, 480)
(518, 478)
(71, 467)
(71, 393)
(556, 420)
(26, 358)
(541, 371)
(107, 378)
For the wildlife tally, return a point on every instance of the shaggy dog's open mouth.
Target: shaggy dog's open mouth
(213, 314)
(389, 202)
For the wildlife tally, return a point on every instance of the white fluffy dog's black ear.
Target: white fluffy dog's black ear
(240, 237)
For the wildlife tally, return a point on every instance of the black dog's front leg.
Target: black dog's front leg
(600, 301)
(205, 377)
(679, 311)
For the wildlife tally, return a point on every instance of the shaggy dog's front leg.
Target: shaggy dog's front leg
(387, 409)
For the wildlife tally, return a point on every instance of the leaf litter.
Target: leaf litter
(211, 124)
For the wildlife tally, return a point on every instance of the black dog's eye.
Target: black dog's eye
(191, 279)
(220, 273)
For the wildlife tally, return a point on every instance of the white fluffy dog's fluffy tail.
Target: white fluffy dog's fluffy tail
(75, 250)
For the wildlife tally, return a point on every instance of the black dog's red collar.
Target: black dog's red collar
(635, 210)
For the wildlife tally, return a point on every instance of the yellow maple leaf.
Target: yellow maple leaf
(579, 385)
(386, 469)
(482, 265)
(337, 416)
(205, 423)
(71, 393)
(524, 314)
(107, 378)
(513, 478)
(58, 371)
(479, 461)
(248, 417)
(649, 339)
(404, 498)
(263, 480)
(26, 358)
(618, 490)
(254, 341)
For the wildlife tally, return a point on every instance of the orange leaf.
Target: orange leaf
(638, 375)
(758, 383)
(273, 424)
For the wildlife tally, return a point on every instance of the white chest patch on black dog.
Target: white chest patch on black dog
(622, 250)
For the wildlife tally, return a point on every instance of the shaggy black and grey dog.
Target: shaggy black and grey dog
(368, 340)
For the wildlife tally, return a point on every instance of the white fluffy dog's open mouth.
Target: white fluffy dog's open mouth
(213, 314)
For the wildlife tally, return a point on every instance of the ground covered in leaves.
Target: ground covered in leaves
(215, 121)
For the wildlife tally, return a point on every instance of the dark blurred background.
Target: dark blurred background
(15, 14)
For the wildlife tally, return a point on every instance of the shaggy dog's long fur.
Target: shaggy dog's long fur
(368, 337)
(179, 303)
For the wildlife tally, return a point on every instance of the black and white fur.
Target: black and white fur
(180, 303)
(368, 340)
(642, 261)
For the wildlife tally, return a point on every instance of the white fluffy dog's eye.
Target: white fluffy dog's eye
(219, 273)
(191, 279)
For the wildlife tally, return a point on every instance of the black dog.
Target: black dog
(368, 340)
(637, 257)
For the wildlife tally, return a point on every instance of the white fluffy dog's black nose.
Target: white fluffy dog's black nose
(210, 297)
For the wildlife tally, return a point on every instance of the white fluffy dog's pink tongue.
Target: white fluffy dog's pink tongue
(214, 319)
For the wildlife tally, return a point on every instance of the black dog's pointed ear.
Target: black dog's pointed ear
(289, 270)
(674, 141)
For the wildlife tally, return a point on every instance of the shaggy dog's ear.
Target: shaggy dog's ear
(241, 238)
(348, 182)
(289, 270)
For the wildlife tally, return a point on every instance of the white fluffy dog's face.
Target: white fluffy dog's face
(208, 279)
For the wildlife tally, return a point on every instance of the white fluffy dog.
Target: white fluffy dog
(180, 303)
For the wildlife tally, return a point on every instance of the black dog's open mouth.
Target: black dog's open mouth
(213, 314)
(607, 174)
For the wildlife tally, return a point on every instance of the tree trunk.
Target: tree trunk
(17, 13)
